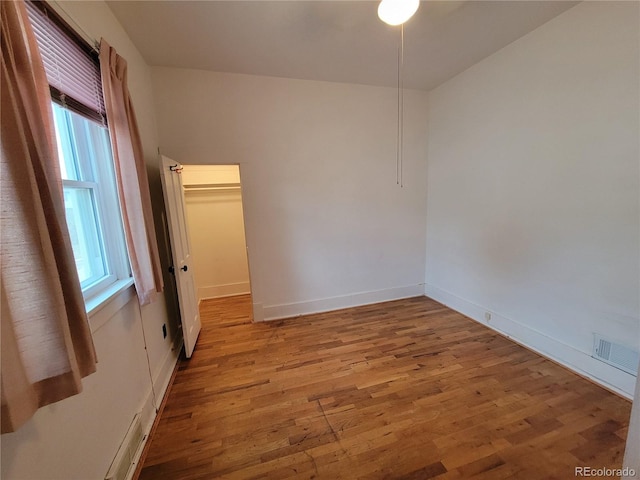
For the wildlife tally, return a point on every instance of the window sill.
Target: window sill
(103, 306)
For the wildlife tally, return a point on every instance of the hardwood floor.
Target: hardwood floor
(406, 390)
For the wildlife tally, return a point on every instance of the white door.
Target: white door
(180, 251)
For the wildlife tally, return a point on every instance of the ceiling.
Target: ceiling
(338, 41)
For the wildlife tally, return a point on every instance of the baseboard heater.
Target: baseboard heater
(126, 455)
(615, 354)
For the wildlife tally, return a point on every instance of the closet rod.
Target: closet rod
(204, 188)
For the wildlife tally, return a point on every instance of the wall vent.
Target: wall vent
(616, 354)
(126, 455)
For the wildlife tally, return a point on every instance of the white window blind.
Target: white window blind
(70, 63)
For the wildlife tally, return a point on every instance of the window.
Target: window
(84, 150)
(90, 197)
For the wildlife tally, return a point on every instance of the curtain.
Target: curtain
(131, 176)
(46, 340)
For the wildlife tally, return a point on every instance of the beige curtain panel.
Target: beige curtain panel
(46, 340)
(131, 176)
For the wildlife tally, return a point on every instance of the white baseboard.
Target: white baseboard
(275, 312)
(578, 361)
(227, 290)
(160, 385)
(258, 312)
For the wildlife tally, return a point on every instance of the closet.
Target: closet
(213, 202)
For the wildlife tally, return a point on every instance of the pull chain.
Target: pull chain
(400, 127)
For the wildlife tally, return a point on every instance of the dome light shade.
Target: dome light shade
(396, 12)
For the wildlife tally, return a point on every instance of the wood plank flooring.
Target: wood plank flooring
(399, 390)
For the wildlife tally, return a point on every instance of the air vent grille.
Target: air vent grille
(616, 354)
(127, 452)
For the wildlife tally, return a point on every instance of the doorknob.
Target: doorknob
(184, 268)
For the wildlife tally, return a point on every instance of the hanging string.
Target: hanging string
(146, 354)
(398, 120)
(401, 104)
(400, 126)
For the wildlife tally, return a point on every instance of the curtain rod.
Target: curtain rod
(74, 24)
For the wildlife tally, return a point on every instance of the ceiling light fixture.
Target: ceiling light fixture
(396, 12)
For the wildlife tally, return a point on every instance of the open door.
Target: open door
(180, 251)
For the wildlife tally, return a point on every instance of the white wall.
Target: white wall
(326, 224)
(77, 438)
(533, 196)
(216, 230)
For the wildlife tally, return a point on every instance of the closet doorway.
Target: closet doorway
(215, 221)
